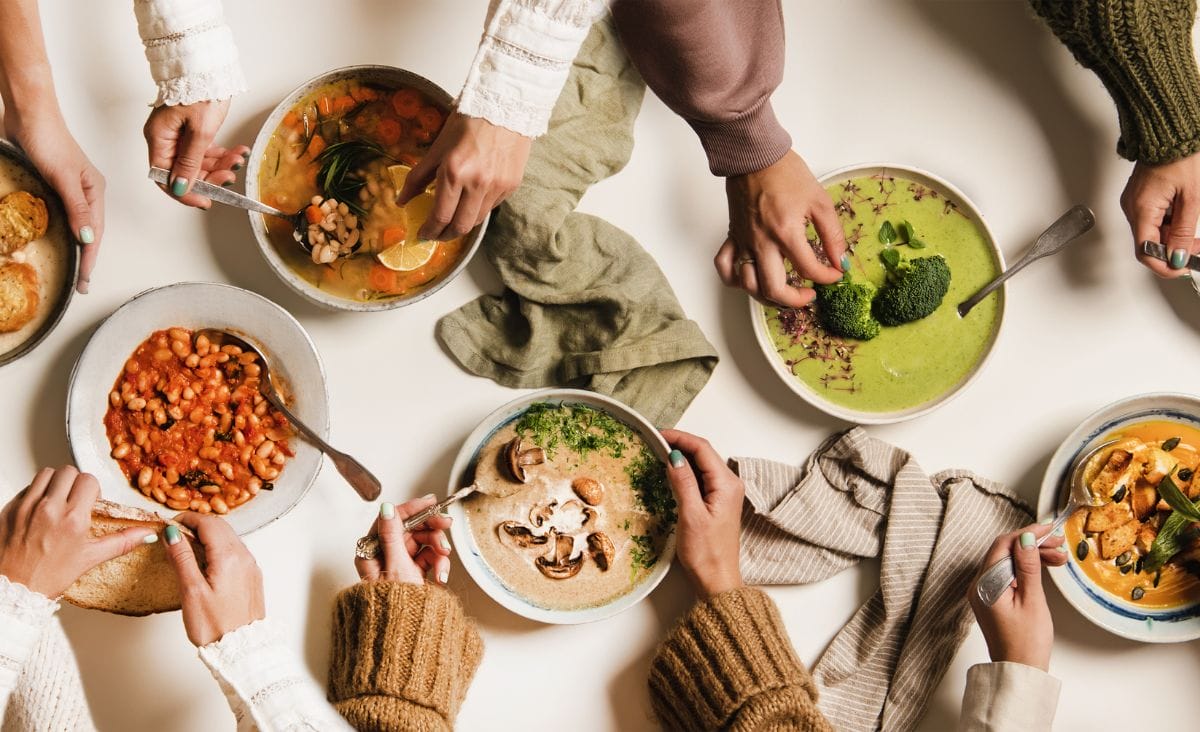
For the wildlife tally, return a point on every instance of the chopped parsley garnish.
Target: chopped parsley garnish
(581, 429)
(642, 554)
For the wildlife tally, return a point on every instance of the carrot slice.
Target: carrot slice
(291, 119)
(313, 214)
(364, 93)
(389, 131)
(406, 103)
(315, 146)
(430, 119)
(394, 235)
(381, 279)
(325, 106)
(341, 105)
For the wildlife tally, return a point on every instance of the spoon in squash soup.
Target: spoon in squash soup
(359, 478)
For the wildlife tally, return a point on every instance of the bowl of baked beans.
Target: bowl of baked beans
(170, 421)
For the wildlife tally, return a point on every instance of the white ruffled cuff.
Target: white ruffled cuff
(524, 59)
(192, 54)
(24, 614)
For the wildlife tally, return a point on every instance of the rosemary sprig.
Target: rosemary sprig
(338, 177)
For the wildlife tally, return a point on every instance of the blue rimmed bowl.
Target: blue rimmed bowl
(1111, 612)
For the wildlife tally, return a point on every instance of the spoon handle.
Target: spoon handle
(220, 194)
(999, 577)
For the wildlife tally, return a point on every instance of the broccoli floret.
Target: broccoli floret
(844, 309)
(914, 289)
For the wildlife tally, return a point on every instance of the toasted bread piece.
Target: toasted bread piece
(18, 296)
(141, 582)
(1118, 540)
(1145, 498)
(1146, 536)
(1108, 516)
(23, 218)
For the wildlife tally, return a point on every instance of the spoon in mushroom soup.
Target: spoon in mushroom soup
(359, 478)
(518, 459)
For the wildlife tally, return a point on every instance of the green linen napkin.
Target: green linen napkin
(584, 304)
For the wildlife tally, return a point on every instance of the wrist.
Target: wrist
(714, 585)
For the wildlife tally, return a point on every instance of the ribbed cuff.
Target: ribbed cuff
(1009, 696)
(24, 614)
(747, 144)
(400, 650)
(731, 655)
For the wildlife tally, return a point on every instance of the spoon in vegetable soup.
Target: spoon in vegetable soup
(998, 577)
(359, 478)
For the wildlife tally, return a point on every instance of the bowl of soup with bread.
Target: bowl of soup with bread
(339, 149)
(572, 519)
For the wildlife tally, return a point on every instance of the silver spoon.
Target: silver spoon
(359, 478)
(1071, 225)
(223, 195)
(999, 577)
(368, 546)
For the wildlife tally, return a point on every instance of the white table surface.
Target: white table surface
(978, 92)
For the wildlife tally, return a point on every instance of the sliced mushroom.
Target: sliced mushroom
(588, 489)
(571, 516)
(541, 512)
(518, 457)
(514, 534)
(559, 565)
(602, 550)
(589, 515)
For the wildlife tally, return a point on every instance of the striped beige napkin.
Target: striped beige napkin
(858, 497)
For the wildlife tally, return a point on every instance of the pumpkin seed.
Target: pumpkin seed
(1138, 593)
(1171, 444)
(1126, 568)
(1138, 565)
(1124, 559)
(1119, 494)
(1157, 577)
(1081, 549)
(1185, 475)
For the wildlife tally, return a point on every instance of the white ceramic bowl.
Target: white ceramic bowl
(388, 75)
(468, 553)
(758, 315)
(1117, 615)
(198, 305)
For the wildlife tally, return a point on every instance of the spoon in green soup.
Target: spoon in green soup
(1074, 223)
(999, 577)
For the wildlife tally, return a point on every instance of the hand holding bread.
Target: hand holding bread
(46, 540)
(227, 592)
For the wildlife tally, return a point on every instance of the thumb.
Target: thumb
(1182, 237)
(69, 187)
(119, 544)
(189, 157)
(184, 559)
(418, 179)
(1027, 561)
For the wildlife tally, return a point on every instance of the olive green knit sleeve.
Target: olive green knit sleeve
(1142, 51)
(730, 665)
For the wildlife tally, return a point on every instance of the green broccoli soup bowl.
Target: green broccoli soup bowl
(887, 344)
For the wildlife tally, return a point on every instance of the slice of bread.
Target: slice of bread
(18, 296)
(23, 218)
(141, 582)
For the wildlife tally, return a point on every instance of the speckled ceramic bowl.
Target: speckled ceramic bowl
(56, 296)
(386, 75)
(199, 305)
(1117, 615)
(468, 554)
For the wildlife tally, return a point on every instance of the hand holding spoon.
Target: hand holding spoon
(359, 478)
(1071, 225)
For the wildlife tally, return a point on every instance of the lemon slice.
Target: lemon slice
(399, 174)
(406, 257)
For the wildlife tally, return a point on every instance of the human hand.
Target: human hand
(769, 212)
(408, 556)
(228, 592)
(1018, 628)
(46, 541)
(44, 137)
(180, 139)
(710, 514)
(1162, 203)
(477, 165)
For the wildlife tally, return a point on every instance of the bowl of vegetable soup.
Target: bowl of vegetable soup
(339, 148)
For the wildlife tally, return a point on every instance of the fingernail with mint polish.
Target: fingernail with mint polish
(179, 187)
(236, 167)
(1179, 258)
(445, 543)
(86, 235)
(444, 576)
(150, 538)
(1059, 532)
(846, 262)
(387, 511)
(227, 184)
(1062, 548)
(1027, 540)
(172, 534)
(676, 458)
(1047, 521)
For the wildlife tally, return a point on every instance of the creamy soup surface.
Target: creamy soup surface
(47, 256)
(551, 521)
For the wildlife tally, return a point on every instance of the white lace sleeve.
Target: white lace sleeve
(523, 60)
(24, 614)
(190, 49)
(266, 685)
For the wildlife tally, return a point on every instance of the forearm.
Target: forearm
(192, 54)
(523, 61)
(1142, 51)
(716, 64)
(1008, 697)
(26, 84)
(24, 615)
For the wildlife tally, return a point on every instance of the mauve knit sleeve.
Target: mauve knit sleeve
(716, 64)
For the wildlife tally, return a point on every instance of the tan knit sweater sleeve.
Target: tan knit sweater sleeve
(730, 665)
(403, 656)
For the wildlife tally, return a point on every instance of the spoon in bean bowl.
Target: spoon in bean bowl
(359, 478)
